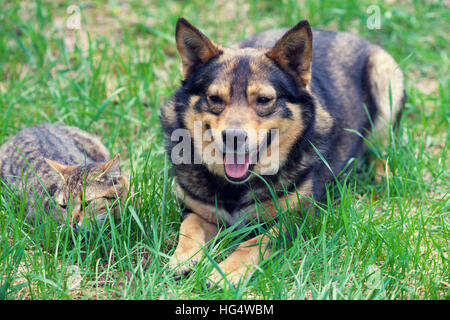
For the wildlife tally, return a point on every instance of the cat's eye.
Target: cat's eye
(87, 203)
(63, 206)
(215, 99)
(263, 100)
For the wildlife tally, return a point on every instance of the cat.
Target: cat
(64, 171)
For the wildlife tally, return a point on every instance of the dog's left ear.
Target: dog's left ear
(293, 52)
(194, 47)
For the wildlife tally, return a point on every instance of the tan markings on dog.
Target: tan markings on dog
(238, 118)
(168, 112)
(257, 90)
(193, 100)
(289, 131)
(324, 121)
(195, 232)
(260, 89)
(220, 89)
(191, 117)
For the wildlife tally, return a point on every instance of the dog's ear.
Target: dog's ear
(293, 52)
(194, 47)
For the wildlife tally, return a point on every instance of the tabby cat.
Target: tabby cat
(65, 171)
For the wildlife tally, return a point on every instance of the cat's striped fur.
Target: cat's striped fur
(63, 171)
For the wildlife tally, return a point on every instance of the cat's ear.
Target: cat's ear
(62, 169)
(112, 168)
(293, 52)
(193, 46)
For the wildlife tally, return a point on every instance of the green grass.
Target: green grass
(372, 240)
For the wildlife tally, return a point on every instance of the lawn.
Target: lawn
(377, 236)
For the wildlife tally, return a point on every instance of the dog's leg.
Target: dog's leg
(195, 232)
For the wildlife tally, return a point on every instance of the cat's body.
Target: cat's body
(71, 170)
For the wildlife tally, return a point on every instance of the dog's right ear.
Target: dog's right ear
(194, 47)
(293, 52)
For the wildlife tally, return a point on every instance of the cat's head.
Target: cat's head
(91, 190)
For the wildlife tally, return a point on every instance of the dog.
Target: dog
(301, 98)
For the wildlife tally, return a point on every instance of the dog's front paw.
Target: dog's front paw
(216, 280)
(231, 279)
(183, 263)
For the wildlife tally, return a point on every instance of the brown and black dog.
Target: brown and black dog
(284, 108)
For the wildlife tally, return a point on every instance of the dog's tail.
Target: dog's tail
(386, 89)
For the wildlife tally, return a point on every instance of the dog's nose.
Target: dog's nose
(235, 140)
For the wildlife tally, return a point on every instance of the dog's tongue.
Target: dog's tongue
(236, 166)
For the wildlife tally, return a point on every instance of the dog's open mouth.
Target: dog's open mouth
(238, 165)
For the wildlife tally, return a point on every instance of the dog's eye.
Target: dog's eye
(263, 100)
(264, 106)
(215, 99)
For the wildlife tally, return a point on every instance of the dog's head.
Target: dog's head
(245, 108)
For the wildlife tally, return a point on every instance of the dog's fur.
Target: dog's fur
(321, 86)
